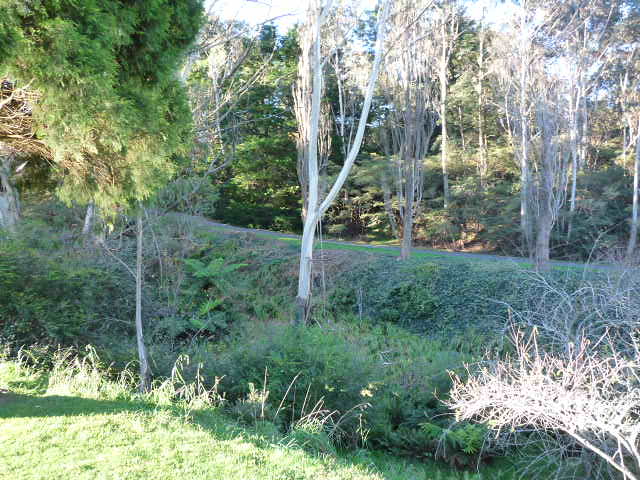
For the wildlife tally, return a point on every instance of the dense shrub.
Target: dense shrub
(434, 298)
(379, 386)
(56, 297)
(301, 366)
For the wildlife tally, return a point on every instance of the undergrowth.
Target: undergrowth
(105, 428)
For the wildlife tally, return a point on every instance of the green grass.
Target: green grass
(390, 248)
(51, 430)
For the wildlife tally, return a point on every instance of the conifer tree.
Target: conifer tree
(110, 108)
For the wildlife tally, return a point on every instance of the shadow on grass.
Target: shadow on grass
(15, 405)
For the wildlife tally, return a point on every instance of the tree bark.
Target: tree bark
(543, 240)
(482, 152)
(633, 236)
(407, 220)
(388, 207)
(315, 211)
(145, 370)
(9, 199)
(525, 223)
(303, 300)
(89, 218)
(443, 113)
(576, 150)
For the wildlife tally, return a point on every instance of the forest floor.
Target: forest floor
(417, 252)
(55, 433)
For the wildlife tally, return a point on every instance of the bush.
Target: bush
(350, 384)
(438, 299)
(303, 367)
(59, 298)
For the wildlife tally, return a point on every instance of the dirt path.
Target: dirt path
(439, 253)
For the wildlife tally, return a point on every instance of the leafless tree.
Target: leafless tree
(535, 97)
(219, 58)
(581, 36)
(449, 14)
(409, 85)
(551, 160)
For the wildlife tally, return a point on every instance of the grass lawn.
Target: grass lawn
(55, 433)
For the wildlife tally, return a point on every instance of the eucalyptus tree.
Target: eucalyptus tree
(410, 87)
(302, 104)
(630, 100)
(582, 38)
(623, 79)
(311, 40)
(551, 151)
(516, 53)
(110, 110)
(449, 14)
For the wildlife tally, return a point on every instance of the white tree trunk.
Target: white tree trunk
(576, 136)
(633, 236)
(303, 301)
(443, 113)
(9, 199)
(145, 370)
(482, 151)
(315, 212)
(89, 218)
(525, 221)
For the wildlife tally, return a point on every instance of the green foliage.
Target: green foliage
(134, 430)
(111, 109)
(348, 385)
(56, 299)
(441, 299)
(304, 366)
(468, 437)
(311, 435)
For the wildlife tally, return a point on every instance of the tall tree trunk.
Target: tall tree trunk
(576, 150)
(145, 370)
(633, 236)
(9, 199)
(482, 152)
(315, 211)
(407, 220)
(388, 206)
(303, 300)
(443, 114)
(89, 219)
(525, 177)
(543, 239)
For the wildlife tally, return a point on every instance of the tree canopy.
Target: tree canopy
(110, 107)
